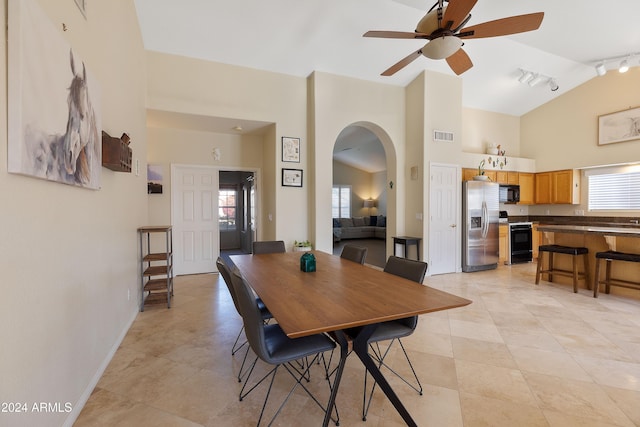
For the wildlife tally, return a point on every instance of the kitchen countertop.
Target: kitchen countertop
(589, 229)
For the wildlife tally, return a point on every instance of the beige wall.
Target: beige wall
(563, 133)
(481, 128)
(379, 192)
(69, 255)
(364, 185)
(181, 146)
(219, 90)
(335, 103)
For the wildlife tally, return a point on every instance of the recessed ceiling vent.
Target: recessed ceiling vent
(442, 136)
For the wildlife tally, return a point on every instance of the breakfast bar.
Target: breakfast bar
(598, 239)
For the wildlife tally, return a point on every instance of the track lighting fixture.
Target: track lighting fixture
(537, 78)
(532, 79)
(525, 77)
(624, 63)
(624, 66)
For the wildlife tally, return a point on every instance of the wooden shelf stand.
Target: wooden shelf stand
(156, 268)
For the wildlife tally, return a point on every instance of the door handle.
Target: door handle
(453, 225)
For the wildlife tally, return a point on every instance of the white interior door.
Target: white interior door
(444, 247)
(194, 217)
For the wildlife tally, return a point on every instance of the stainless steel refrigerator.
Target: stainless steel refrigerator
(480, 212)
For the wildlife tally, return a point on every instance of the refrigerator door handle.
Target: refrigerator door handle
(485, 217)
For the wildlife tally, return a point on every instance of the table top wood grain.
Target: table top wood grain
(340, 294)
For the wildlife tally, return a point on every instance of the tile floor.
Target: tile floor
(520, 355)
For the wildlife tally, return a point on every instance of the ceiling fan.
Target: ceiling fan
(443, 27)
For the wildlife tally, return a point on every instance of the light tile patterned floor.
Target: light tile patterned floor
(520, 355)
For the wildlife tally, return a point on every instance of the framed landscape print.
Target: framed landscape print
(290, 149)
(619, 126)
(292, 177)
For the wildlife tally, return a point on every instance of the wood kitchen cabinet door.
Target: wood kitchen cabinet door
(503, 243)
(527, 188)
(543, 188)
(468, 174)
(563, 187)
(513, 178)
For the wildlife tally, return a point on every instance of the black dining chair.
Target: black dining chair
(395, 329)
(224, 270)
(354, 253)
(268, 247)
(273, 346)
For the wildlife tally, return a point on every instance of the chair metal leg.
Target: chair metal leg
(293, 370)
(237, 347)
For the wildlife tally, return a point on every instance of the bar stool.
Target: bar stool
(609, 257)
(574, 273)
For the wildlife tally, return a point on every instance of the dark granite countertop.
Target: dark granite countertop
(593, 221)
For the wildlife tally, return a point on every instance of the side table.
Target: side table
(407, 241)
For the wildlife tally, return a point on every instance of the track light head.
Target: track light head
(553, 84)
(600, 69)
(525, 77)
(537, 78)
(624, 66)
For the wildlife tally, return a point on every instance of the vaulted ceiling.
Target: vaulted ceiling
(297, 37)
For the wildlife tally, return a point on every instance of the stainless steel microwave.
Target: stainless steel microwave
(509, 193)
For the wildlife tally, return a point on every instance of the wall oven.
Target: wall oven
(520, 242)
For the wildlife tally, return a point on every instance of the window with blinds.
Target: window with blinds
(614, 191)
(341, 201)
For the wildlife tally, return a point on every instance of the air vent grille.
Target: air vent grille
(442, 136)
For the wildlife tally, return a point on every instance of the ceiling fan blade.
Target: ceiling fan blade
(504, 26)
(402, 63)
(457, 11)
(459, 61)
(395, 35)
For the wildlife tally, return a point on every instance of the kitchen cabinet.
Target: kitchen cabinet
(535, 240)
(468, 174)
(503, 243)
(508, 177)
(557, 187)
(513, 178)
(526, 181)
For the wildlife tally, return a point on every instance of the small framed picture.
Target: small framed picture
(290, 149)
(292, 177)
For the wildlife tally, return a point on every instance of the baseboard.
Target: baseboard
(84, 397)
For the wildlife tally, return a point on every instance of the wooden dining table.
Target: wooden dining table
(340, 294)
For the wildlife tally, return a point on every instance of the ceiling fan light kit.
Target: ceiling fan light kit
(444, 29)
(442, 47)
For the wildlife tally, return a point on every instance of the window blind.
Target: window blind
(614, 191)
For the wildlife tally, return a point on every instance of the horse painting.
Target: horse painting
(75, 156)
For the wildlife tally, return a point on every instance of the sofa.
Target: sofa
(374, 227)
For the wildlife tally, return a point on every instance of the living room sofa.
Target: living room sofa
(374, 227)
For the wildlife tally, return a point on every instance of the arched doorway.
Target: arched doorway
(360, 191)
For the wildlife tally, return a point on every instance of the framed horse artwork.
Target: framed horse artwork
(54, 122)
